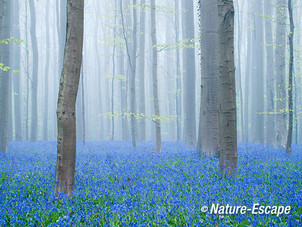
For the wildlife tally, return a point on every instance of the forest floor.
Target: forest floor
(118, 186)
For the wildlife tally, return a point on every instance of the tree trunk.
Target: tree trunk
(280, 73)
(189, 74)
(69, 83)
(47, 54)
(4, 75)
(133, 75)
(290, 78)
(142, 105)
(257, 101)
(270, 117)
(227, 117)
(16, 78)
(208, 136)
(154, 76)
(178, 75)
(35, 70)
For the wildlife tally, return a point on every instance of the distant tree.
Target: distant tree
(66, 153)
(270, 83)
(35, 70)
(46, 73)
(4, 73)
(208, 135)
(227, 110)
(280, 44)
(154, 77)
(141, 97)
(257, 81)
(290, 77)
(189, 75)
(178, 74)
(132, 63)
(16, 66)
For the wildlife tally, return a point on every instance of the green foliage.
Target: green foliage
(185, 43)
(138, 116)
(6, 42)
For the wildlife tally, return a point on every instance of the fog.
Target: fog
(103, 106)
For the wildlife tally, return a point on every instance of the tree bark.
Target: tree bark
(35, 70)
(280, 73)
(189, 74)
(227, 117)
(142, 105)
(4, 75)
(270, 117)
(257, 102)
(47, 54)
(290, 78)
(178, 75)
(154, 76)
(66, 154)
(208, 135)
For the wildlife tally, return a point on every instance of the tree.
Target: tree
(178, 74)
(35, 69)
(227, 110)
(208, 135)
(290, 77)
(4, 74)
(66, 153)
(270, 118)
(16, 66)
(280, 73)
(189, 74)
(257, 102)
(46, 73)
(132, 64)
(141, 97)
(154, 77)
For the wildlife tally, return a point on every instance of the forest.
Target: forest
(150, 113)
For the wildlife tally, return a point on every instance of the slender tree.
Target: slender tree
(66, 154)
(141, 97)
(257, 102)
(290, 77)
(4, 74)
(16, 66)
(270, 117)
(34, 77)
(154, 77)
(188, 34)
(227, 110)
(46, 73)
(178, 75)
(132, 65)
(280, 42)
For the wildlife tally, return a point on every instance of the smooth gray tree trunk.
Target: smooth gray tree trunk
(4, 75)
(35, 70)
(189, 74)
(46, 73)
(66, 154)
(178, 93)
(280, 43)
(16, 77)
(257, 102)
(270, 116)
(290, 77)
(227, 116)
(154, 77)
(208, 135)
(141, 95)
